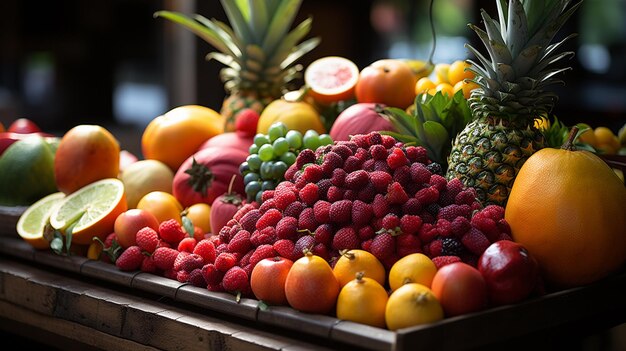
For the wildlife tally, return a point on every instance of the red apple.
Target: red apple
(23, 126)
(511, 273)
(128, 223)
(268, 280)
(460, 288)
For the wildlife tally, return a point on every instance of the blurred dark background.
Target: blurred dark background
(67, 62)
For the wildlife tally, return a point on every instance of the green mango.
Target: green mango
(27, 172)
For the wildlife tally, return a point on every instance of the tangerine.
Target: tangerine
(387, 81)
(362, 300)
(412, 268)
(353, 261)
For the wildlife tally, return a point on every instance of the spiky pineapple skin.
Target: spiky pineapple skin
(234, 103)
(488, 154)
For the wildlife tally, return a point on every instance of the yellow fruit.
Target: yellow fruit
(567, 208)
(145, 176)
(445, 89)
(412, 268)
(354, 261)
(90, 211)
(458, 71)
(542, 123)
(420, 68)
(423, 85)
(297, 115)
(412, 304)
(200, 215)
(362, 300)
(606, 140)
(162, 205)
(32, 223)
(588, 136)
(441, 72)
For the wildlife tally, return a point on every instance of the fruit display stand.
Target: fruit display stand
(78, 301)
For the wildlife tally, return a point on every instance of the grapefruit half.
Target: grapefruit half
(331, 79)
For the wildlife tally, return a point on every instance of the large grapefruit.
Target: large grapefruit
(331, 79)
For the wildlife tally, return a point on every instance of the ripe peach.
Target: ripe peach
(128, 223)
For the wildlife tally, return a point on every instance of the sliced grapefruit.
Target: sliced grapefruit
(331, 79)
(90, 211)
(31, 225)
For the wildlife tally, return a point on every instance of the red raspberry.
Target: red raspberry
(285, 248)
(225, 261)
(305, 156)
(396, 194)
(287, 228)
(378, 152)
(383, 246)
(362, 140)
(245, 259)
(182, 276)
(217, 287)
(269, 218)
(366, 232)
(305, 242)
(362, 212)
(441, 261)
(427, 196)
(335, 194)
(438, 182)
(342, 150)
(294, 209)
(419, 173)
(164, 257)
(187, 244)
(195, 278)
(475, 241)
(444, 228)
(265, 195)
(148, 266)
(390, 221)
(367, 193)
(283, 197)
(380, 206)
(465, 197)
(261, 252)
(381, 165)
(312, 173)
(206, 249)
(240, 242)
(307, 219)
(366, 245)
(323, 233)
(321, 211)
(246, 122)
(333, 159)
(435, 247)
(341, 211)
(322, 251)
(130, 259)
(265, 236)
(267, 204)
(309, 194)
(245, 208)
(375, 138)
(412, 206)
(396, 158)
(410, 224)
(357, 180)
(427, 233)
(186, 261)
(402, 175)
(352, 163)
(368, 165)
(459, 226)
(236, 281)
(147, 239)
(486, 225)
(388, 141)
(290, 173)
(211, 274)
(171, 231)
(346, 238)
(407, 244)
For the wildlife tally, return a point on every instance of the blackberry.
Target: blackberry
(435, 168)
(451, 247)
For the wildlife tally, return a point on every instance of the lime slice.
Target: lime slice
(32, 223)
(90, 211)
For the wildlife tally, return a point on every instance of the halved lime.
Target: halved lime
(32, 223)
(90, 211)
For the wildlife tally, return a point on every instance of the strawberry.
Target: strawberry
(346, 238)
(383, 246)
(362, 212)
(147, 239)
(206, 249)
(287, 228)
(396, 194)
(171, 231)
(240, 242)
(341, 211)
(246, 122)
(396, 158)
(236, 281)
(427, 195)
(164, 257)
(269, 218)
(380, 206)
(309, 193)
(130, 259)
(366, 232)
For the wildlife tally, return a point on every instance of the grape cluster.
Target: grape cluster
(272, 153)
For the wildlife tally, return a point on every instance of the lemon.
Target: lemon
(32, 223)
(90, 211)
(412, 304)
(412, 268)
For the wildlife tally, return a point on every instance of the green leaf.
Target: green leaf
(436, 137)
(188, 225)
(57, 246)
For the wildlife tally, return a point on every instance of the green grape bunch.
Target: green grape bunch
(272, 153)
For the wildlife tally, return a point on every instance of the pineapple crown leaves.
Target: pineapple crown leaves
(433, 124)
(257, 49)
(518, 68)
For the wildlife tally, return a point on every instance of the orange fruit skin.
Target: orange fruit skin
(86, 153)
(354, 261)
(311, 286)
(387, 81)
(174, 136)
(129, 222)
(458, 72)
(567, 209)
(363, 301)
(267, 280)
(162, 205)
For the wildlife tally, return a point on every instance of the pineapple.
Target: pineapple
(258, 50)
(489, 152)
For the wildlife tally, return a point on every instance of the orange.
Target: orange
(588, 136)
(353, 261)
(412, 268)
(387, 81)
(162, 205)
(86, 153)
(458, 71)
(90, 211)
(606, 140)
(200, 215)
(311, 286)
(423, 85)
(362, 300)
(174, 136)
(444, 88)
(412, 304)
(441, 73)
(466, 86)
(331, 79)
(567, 208)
